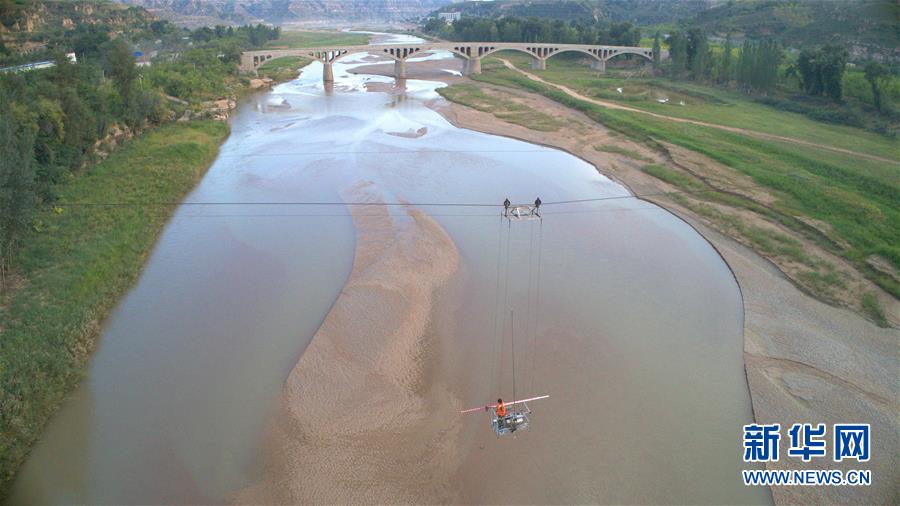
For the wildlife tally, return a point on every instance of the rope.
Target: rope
(529, 293)
(512, 344)
(411, 204)
(496, 335)
(505, 296)
(537, 303)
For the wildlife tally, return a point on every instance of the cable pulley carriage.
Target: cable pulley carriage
(510, 417)
(522, 212)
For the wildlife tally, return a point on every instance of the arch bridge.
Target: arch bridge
(470, 52)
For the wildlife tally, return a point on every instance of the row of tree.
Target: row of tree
(513, 29)
(754, 68)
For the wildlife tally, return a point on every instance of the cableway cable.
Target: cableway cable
(385, 204)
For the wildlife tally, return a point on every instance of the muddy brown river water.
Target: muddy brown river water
(638, 336)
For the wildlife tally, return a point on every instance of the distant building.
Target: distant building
(38, 65)
(449, 17)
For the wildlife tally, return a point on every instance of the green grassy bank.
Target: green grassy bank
(857, 201)
(702, 103)
(282, 69)
(507, 110)
(75, 264)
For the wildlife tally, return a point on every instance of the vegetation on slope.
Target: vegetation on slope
(76, 262)
(57, 121)
(868, 27)
(635, 11)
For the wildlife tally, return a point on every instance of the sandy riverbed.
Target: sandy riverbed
(806, 361)
(363, 385)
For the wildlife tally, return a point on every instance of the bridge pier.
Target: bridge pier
(328, 72)
(473, 66)
(538, 64)
(599, 65)
(399, 69)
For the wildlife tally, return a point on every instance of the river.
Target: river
(638, 337)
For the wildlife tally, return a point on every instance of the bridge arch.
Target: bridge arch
(574, 50)
(519, 49)
(351, 53)
(647, 54)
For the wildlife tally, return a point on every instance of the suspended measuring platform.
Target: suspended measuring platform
(513, 420)
(505, 419)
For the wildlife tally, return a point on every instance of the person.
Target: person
(537, 205)
(506, 204)
(501, 408)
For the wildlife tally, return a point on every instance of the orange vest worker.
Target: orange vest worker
(501, 408)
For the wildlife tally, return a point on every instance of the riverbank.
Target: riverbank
(805, 360)
(364, 387)
(77, 261)
(824, 217)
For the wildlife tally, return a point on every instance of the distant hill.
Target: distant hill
(643, 12)
(869, 28)
(30, 16)
(27, 25)
(200, 12)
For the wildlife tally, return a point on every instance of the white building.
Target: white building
(449, 17)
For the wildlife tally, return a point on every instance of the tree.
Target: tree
(725, 70)
(808, 70)
(677, 53)
(876, 74)
(757, 68)
(657, 49)
(16, 182)
(822, 71)
(834, 62)
(87, 40)
(697, 53)
(121, 68)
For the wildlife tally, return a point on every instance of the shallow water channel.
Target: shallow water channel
(640, 321)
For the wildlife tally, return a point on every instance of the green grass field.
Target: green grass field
(76, 263)
(704, 103)
(282, 69)
(295, 39)
(857, 200)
